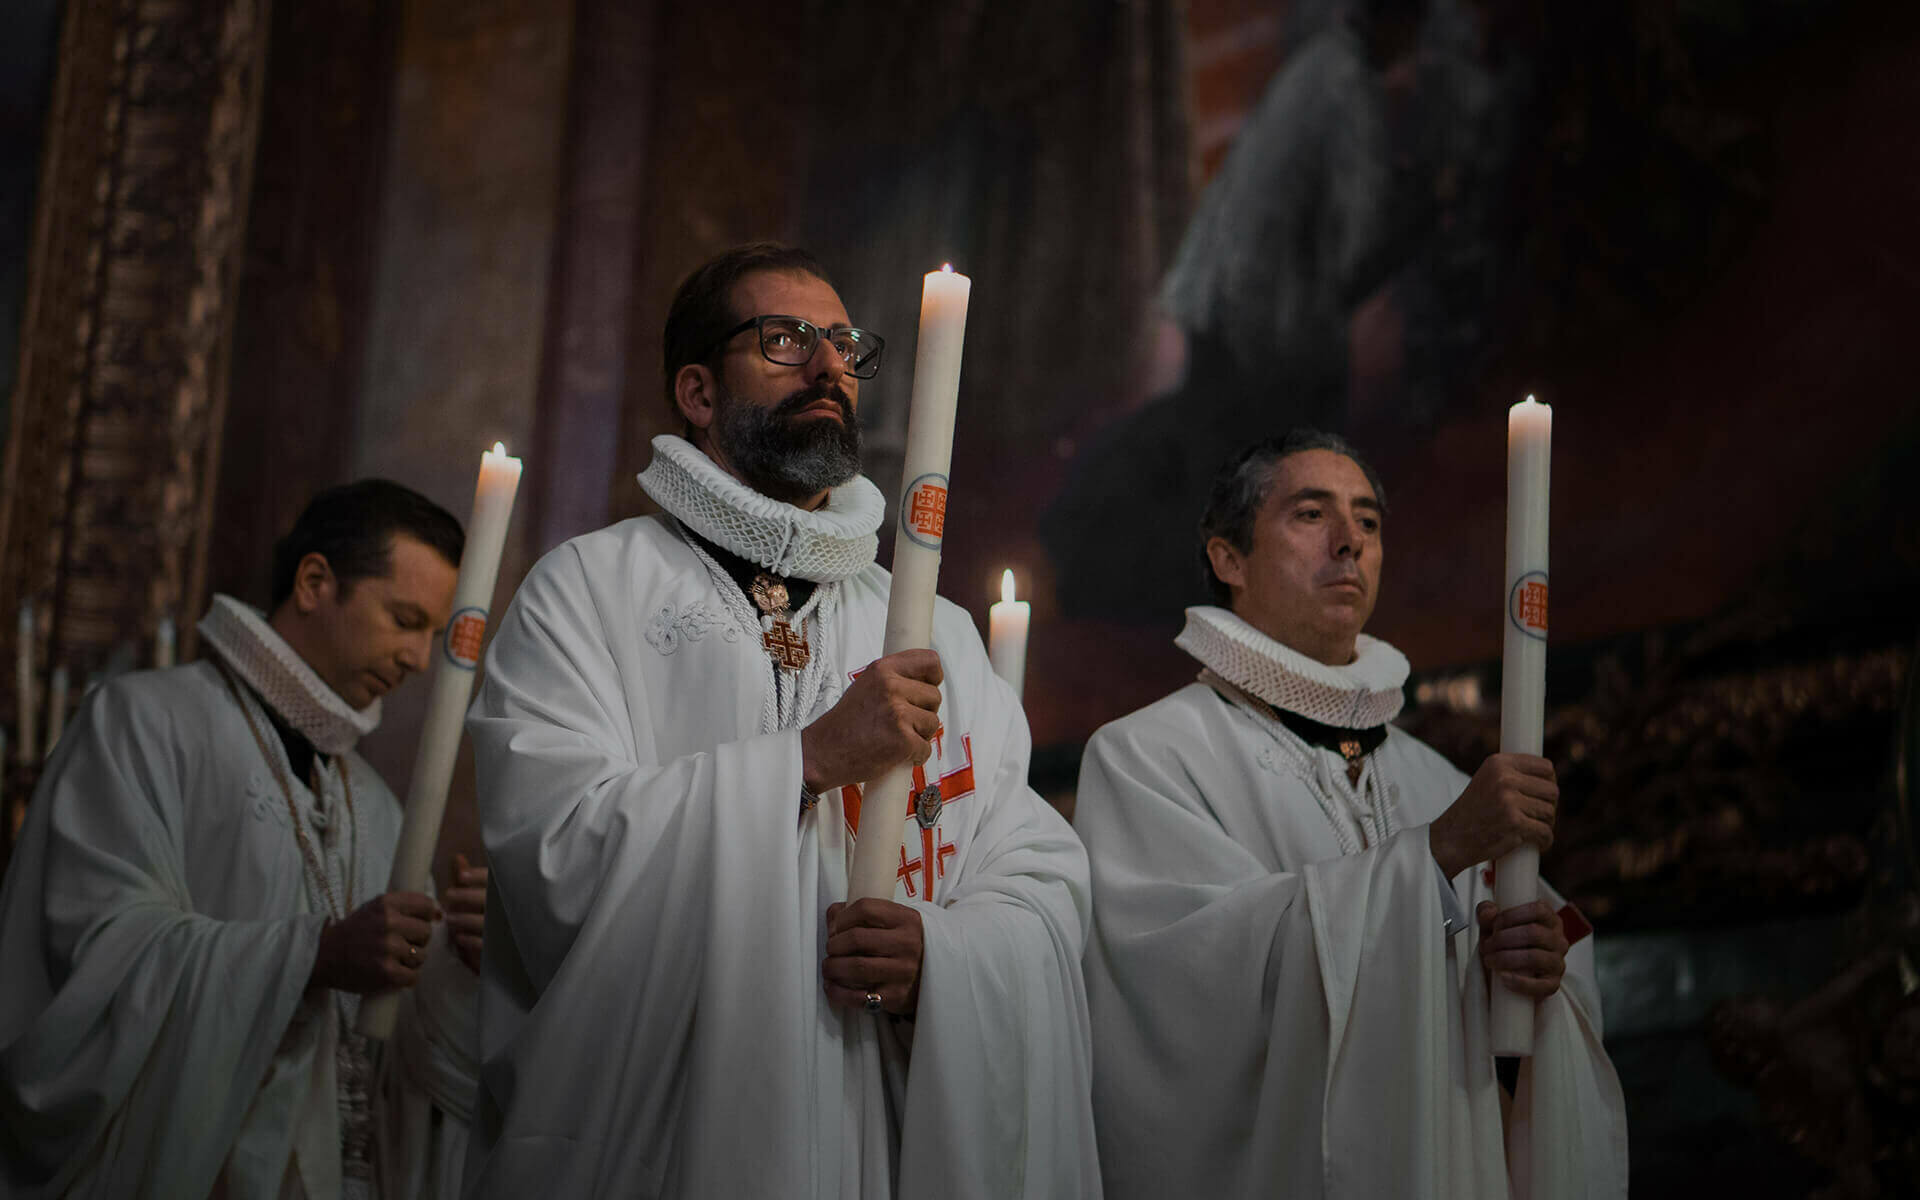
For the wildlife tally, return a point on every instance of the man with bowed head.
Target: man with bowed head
(1287, 995)
(198, 903)
(676, 715)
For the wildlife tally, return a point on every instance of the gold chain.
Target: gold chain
(312, 860)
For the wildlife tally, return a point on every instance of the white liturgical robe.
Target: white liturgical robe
(1276, 1017)
(653, 1021)
(157, 1036)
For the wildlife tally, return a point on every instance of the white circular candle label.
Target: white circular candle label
(923, 510)
(1527, 604)
(465, 632)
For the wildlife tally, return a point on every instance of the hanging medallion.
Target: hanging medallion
(927, 803)
(783, 645)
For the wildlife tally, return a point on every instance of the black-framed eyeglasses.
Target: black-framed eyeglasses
(790, 342)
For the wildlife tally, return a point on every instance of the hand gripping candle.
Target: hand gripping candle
(452, 688)
(885, 802)
(1523, 674)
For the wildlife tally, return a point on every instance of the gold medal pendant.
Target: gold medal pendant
(1352, 751)
(785, 647)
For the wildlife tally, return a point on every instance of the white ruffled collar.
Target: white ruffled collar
(282, 679)
(826, 545)
(1361, 695)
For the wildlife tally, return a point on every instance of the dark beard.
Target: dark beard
(779, 456)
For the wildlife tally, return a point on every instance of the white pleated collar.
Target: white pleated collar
(1360, 695)
(244, 640)
(825, 545)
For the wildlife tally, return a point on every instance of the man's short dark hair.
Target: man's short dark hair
(353, 526)
(1242, 486)
(702, 309)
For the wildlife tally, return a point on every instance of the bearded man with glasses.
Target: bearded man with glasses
(676, 715)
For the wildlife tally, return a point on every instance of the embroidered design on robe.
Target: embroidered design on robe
(691, 622)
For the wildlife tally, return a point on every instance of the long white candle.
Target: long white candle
(1523, 675)
(1007, 635)
(57, 688)
(452, 688)
(916, 554)
(23, 684)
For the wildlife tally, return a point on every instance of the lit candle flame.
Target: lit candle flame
(500, 448)
(1006, 586)
(947, 267)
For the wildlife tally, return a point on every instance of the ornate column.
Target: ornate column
(114, 438)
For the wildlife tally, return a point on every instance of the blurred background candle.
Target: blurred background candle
(1007, 634)
(56, 707)
(23, 683)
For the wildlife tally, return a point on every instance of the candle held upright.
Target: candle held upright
(1007, 624)
(916, 555)
(164, 637)
(453, 670)
(1523, 674)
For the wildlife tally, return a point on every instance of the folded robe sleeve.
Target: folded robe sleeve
(134, 1031)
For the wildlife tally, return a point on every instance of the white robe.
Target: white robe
(428, 1075)
(1274, 1018)
(653, 1021)
(156, 1033)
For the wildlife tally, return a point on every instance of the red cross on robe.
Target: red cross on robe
(932, 863)
(928, 865)
(953, 785)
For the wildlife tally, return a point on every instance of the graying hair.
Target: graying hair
(1242, 486)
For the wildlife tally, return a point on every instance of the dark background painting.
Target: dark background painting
(1686, 224)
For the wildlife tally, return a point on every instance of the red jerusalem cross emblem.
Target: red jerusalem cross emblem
(1527, 605)
(465, 632)
(923, 510)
